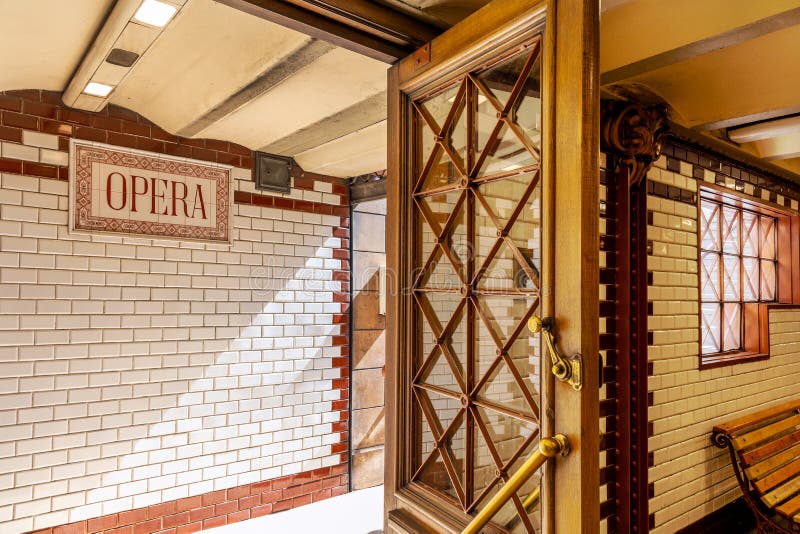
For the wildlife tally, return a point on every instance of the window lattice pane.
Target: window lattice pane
(767, 280)
(709, 226)
(733, 326)
(767, 238)
(751, 279)
(732, 279)
(731, 230)
(711, 328)
(749, 234)
(709, 277)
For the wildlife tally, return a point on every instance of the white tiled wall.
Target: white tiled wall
(692, 478)
(136, 371)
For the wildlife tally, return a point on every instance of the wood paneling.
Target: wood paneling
(365, 27)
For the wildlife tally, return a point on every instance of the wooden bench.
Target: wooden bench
(765, 453)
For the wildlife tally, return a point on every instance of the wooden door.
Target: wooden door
(492, 219)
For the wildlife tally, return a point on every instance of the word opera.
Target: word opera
(125, 191)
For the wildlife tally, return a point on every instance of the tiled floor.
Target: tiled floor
(359, 512)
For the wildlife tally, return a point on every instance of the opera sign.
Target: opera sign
(131, 192)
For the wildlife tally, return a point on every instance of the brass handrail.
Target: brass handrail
(531, 499)
(548, 448)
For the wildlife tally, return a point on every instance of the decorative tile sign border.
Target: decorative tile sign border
(124, 191)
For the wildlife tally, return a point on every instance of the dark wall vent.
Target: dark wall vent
(273, 173)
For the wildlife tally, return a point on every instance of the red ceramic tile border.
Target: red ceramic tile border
(342, 362)
(217, 508)
(43, 111)
(283, 203)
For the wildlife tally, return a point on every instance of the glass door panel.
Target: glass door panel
(477, 259)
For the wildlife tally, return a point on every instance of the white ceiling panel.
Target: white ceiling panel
(42, 41)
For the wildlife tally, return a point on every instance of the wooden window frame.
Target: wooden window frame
(755, 315)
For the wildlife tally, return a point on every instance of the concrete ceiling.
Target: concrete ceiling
(214, 72)
(42, 41)
(218, 72)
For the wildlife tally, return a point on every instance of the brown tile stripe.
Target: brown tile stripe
(701, 159)
(218, 508)
(43, 111)
(671, 192)
(268, 201)
(40, 170)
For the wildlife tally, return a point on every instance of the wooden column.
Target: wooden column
(573, 286)
(631, 137)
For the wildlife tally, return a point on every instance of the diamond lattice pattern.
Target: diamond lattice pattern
(477, 200)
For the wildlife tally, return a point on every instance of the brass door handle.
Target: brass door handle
(569, 370)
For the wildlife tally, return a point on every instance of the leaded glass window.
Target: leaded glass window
(738, 265)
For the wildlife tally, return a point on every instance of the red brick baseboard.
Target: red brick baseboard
(217, 508)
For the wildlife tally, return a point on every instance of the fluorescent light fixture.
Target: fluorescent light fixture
(155, 13)
(98, 89)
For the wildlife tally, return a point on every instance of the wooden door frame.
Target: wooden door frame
(571, 101)
(362, 26)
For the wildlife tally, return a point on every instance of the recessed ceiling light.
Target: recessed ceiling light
(155, 13)
(97, 89)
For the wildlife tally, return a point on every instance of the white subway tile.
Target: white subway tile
(37, 139)
(54, 157)
(16, 151)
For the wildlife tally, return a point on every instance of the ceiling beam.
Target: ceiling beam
(286, 67)
(375, 18)
(352, 119)
(361, 26)
(627, 61)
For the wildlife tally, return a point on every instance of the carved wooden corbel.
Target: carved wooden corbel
(633, 134)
